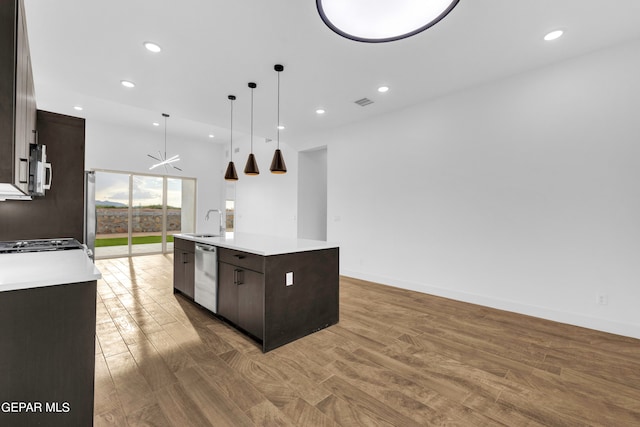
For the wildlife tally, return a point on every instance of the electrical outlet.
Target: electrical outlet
(289, 278)
(602, 299)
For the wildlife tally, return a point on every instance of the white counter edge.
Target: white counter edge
(261, 244)
(39, 269)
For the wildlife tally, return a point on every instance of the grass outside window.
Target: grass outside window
(136, 240)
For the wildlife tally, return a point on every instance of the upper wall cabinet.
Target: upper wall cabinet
(17, 98)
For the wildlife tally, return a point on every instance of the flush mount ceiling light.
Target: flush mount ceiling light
(377, 21)
(163, 160)
(127, 83)
(553, 35)
(152, 47)
(231, 174)
(277, 164)
(251, 168)
(320, 111)
(383, 89)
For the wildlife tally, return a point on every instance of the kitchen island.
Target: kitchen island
(273, 289)
(48, 318)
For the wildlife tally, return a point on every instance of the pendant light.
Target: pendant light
(277, 164)
(251, 167)
(230, 174)
(163, 160)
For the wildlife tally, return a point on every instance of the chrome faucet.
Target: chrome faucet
(222, 227)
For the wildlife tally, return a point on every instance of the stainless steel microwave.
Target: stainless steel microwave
(40, 172)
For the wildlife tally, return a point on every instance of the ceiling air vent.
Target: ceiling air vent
(364, 102)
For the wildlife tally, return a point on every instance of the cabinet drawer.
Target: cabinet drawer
(185, 245)
(242, 259)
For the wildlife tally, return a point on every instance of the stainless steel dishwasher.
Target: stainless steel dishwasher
(206, 286)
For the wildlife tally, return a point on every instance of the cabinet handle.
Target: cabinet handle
(240, 256)
(184, 258)
(23, 172)
(238, 277)
(47, 167)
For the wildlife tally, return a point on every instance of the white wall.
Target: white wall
(116, 148)
(266, 203)
(312, 194)
(522, 195)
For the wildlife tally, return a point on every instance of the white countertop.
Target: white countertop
(261, 244)
(36, 269)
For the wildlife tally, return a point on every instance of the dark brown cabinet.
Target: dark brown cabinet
(253, 293)
(17, 96)
(48, 355)
(227, 292)
(61, 212)
(241, 290)
(184, 266)
(274, 299)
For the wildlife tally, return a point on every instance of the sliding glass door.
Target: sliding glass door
(138, 214)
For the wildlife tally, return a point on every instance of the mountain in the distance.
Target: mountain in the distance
(108, 204)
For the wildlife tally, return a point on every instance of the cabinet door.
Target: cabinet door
(178, 270)
(31, 107)
(184, 271)
(48, 355)
(250, 286)
(21, 105)
(189, 273)
(227, 292)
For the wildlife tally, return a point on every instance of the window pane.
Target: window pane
(174, 210)
(230, 215)
(160, 207)
(147, 214)
(112, 214)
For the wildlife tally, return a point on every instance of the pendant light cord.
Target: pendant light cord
(252, 120)
(231, 154)
(278, 127)
(165, 136)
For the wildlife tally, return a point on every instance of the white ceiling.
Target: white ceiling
(82, 49)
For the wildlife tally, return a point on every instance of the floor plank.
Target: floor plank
(397, 358)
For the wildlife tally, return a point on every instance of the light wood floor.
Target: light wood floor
(397, 358)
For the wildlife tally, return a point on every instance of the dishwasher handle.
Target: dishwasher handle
(205, 248)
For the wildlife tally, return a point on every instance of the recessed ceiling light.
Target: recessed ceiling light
(320, 111)
(383, 89)
(553, 35)
(77, 107)
(211, 135)
(127, 83)
(152, 47)
(280, 127)
(156, 124)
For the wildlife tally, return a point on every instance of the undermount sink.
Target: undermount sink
(200, 235)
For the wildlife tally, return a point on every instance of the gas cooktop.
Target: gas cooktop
(39, 245)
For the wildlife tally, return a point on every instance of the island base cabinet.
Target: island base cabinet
(310, 303)
(184, 268)
(227, 293)
(255, 295)
(47, 355)
(240, 299)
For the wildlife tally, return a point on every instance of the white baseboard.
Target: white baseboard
(598, 324)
